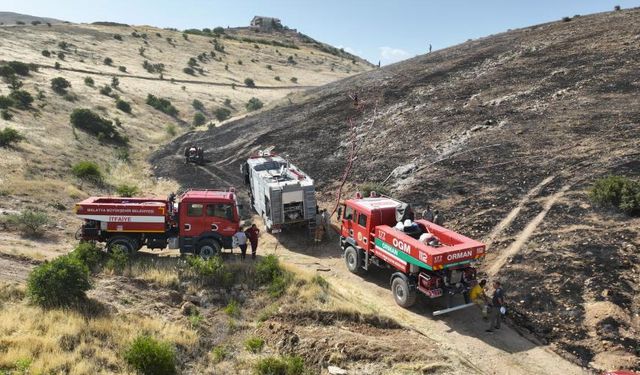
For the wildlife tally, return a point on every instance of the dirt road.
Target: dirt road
(460, 334)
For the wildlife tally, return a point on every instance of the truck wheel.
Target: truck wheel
(353, 259)
(208, 248)
(404, 295)
(127, 244)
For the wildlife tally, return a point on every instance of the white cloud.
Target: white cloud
(390, 55)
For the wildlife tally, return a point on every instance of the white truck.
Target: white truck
(280, 192)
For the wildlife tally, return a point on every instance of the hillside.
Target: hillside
(11, 18)
(505, 135)
(183, 68)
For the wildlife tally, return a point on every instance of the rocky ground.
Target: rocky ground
(505, 134)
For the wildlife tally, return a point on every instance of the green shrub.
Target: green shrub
(162, 105)
(123, 154)
(117, 37)
(232, 309)
(6, 71)
(253, 104)
(5, 102)
(21, 99)
(148, 356)
(267, 269)
(106, 90)
(123, 106)
(199, 119)
(320, 281)
(294, 80)
(9, 136)
(92, 123)
(89, 255)
(56, 65)
(189, 70)
(287, 365)
(291, 61)
(197, 105)
(125, 190)
(89, 81)
(222, 114)
(219, 353)
(210, 271)
(153, 68)
(171, 130)
(115, 82)
(64, 45)
(61, 55)
(46, 53)
(617, 192)
(249, 82)
(30, 222)
(62, 282)
(108, 61)
(254, 344)
(19, 67)
(123, 69)
(87, 170)
(5, 115)
(227, 102)
(368, 187)
(218, 30)
(277, 78)
(118, 260)
(60, 85)
(269, 67)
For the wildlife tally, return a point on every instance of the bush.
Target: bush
(106, 90)
(149, 356)
(294, 80)
(19, 67)
(46, 53)
(125, 190)
(118, 260)
(21, 99)
(153, 68)
(291, 61)
(254, 344)
(92, 123)
(254, 104)
(89, 255)
(61, 55)
(232, 309)
(115, 82)
(59, 283)
(368, 187)
(30, 222)
(566, 19)
(117, 37)
(189, 71)
(89, 81)
(199, 119)
(60, 85)
(35, 23)
(277, 78)
(108, 61)
(222, 114)
(210, 271)
(6, 71)
(249, 82)
(269, 67)
(287, 365)
(616, 8)
(197, 105)
(219, 353)
(56, 65)
(123, 69)
(87, 170)
(171, 130)
(162, 105)
(123, 106)
(5, 102)
(617, 192)
(5, 115)
(227, 102)
(64, 45)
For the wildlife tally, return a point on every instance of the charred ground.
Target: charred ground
(476, 130)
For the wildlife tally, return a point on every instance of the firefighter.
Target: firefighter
(326, 221)
(319, 233)
(427, 214)
(478, 296)
(240, 238)
(253, 233)
(438, 218)
(497, 305)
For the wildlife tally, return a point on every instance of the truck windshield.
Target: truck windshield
(224, 211)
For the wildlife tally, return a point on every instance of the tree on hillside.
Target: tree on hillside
(60, 85)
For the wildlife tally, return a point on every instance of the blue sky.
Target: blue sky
(389, 30)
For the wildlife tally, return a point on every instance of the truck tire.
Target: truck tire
(404, 294)
(128, 244)
(208, 248)
(353, 259)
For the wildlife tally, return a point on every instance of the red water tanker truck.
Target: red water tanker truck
(369, 235)
(200, 221)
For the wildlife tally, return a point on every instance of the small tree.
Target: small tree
(222, 114)
(115, 82)
(60, 85)
(5, 114)
(189, 71)
(218, 30)
(123, 69)
(123, 106)
(249, 82)
(125, 190)
(9, 136)
(87, 170)
(108, 61)
(19, 67)
(277, 78)
(149, 356)
(46, 53)
(63, 282)
(21, 99)
(117, 37)
(294, 80)
(5, 102)
(253, 104)
(199, 119)
(89, 81)
(61, 55)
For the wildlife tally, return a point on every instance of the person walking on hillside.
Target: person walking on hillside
(240, 238)
(438, 218)
(497, 303)
(253, 233)
(427, 214)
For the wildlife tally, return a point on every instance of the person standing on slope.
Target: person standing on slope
(240, 238)
(427, 214)
(253, 233)
(497, 302)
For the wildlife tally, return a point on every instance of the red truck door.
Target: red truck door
(360, 230)
(221, 218)
(347, 222)
(191, 219)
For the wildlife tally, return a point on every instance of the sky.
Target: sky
(377, 30)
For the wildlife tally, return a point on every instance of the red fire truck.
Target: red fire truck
(369, 235)
(201, 222)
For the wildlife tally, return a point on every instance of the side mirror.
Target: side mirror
(339, 213)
